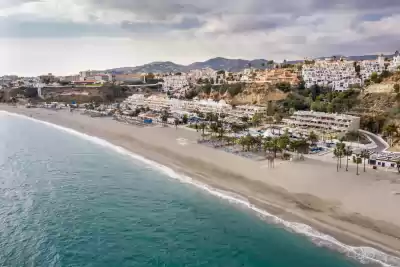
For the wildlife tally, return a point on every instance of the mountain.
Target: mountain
(155, 67)
(217, 63)
(233, 65)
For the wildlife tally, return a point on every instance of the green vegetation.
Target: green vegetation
(320, 99)
(284, 86)
(378, 78)
(396, 88)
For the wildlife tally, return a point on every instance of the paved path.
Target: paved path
(381, 144)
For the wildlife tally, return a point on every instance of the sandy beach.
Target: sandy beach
(357, 210)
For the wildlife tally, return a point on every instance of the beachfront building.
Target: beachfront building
(204, 106)
(386, 160)
(247, 110)
(328, 122)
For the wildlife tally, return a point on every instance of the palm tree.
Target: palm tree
(243, 142)
(365, 156)
(213, 128)
(275, 145)
(398, 166)
(358, 161)
(249, 141)
(221, 131)
(336, 153)
(340, 149)
(347, 152)
(391, 130)
(267, 144)
(283, 142)
(256, 119)
(313, 138)
(176, 121)
(164, 116)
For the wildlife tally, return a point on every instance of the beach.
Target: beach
(357, 210)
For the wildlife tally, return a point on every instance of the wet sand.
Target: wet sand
(357, 210)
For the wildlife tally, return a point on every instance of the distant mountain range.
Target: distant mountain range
(218, 63)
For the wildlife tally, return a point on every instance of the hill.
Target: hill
(218, 63)
(155, 67)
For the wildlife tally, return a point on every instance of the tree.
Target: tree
(347, 152)
(283, 142)
(365, 155)
(150, 76)
(358, 161)
(185, 119)
(339, 152)
(256, 119)
(202, 127)
(277, 118)
(391, 130)
(396, 88)
(176, 122)
(245, 119)
(164, 117)
(398, 166)
(313, 138)
(284, 86)
(374, 77)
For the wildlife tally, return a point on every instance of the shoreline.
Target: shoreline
(324, 216)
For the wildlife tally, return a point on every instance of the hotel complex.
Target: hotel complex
(204, 106)
(323, 121)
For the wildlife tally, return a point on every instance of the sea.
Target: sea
(68, 199)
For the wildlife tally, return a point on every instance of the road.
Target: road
(381, 144)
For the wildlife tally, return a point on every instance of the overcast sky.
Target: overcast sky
(66, 36)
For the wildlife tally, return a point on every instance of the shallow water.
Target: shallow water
(65, 201)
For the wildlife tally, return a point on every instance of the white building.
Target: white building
(370, 66)
(90, 73)
(206, 73)
(204, 106)
(323, 121)
(340, 74)
(175, 82)
(395, 64)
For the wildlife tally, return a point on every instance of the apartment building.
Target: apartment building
(395, 64)
(175, 82)
(206, 73)
(367, 67)
(204, 106)
(337, 74)
(341, 74)
(323, 121)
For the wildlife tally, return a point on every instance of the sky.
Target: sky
(66, 36)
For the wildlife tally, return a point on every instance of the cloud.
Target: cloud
(284, 29)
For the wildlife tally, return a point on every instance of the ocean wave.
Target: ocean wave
(365, 255)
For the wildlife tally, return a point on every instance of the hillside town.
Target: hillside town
(280, 107)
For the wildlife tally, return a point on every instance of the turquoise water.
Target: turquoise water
(65, 201)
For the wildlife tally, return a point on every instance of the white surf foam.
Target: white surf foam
(365, 255)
